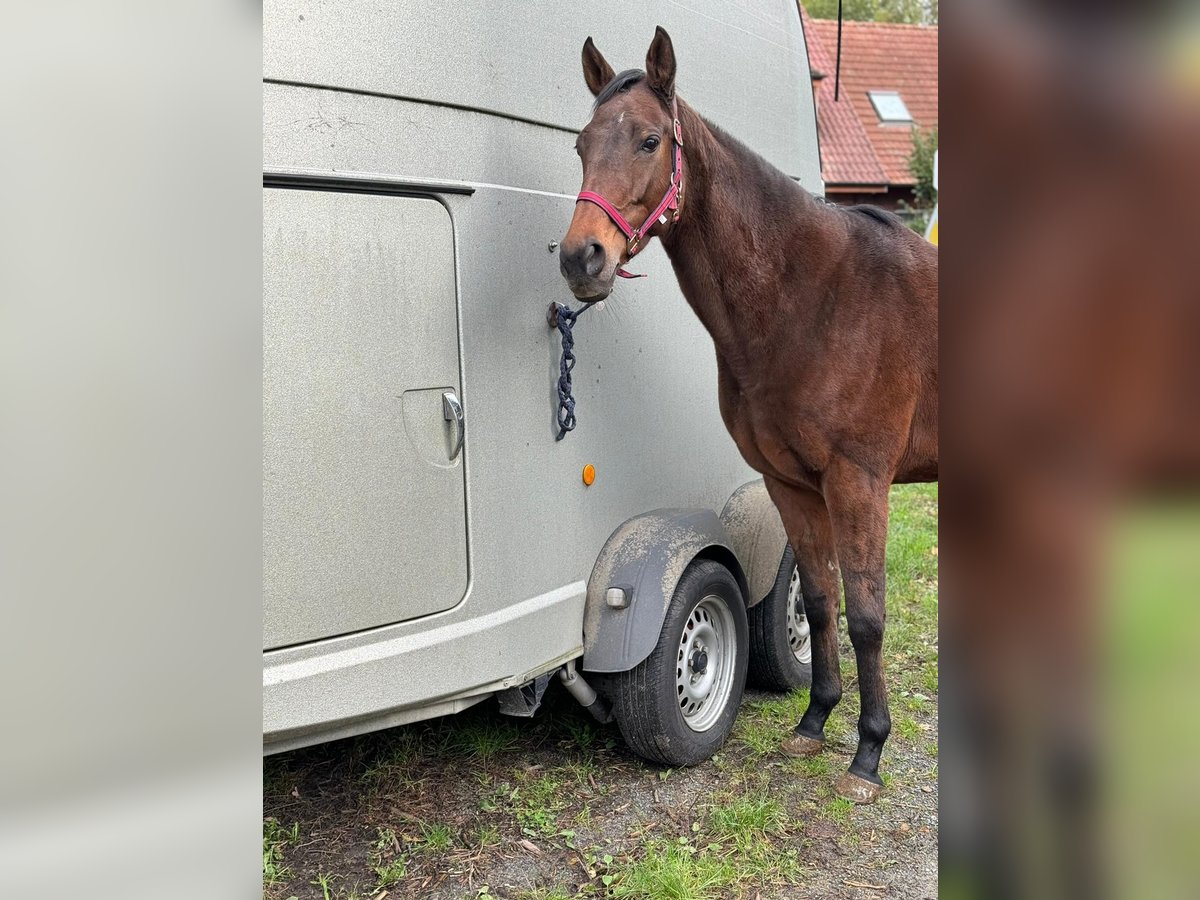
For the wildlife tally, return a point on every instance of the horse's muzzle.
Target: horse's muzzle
(587, 269)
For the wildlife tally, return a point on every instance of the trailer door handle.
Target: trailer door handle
(453, 412)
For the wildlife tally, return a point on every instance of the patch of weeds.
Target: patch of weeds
(392, 769)
(817, 766)
(568, 836)
(387, 862)
(325, 883)
(483, 739)
(598, 864)
(277, 777)
(838, 810)
(545, 893)
(581, 770)
(276, 838)
(582, 731)
(907, 728)
(786, 866)
(536, 803)
(760, 736)
(746, 821)
(929, 678)
(486, 836)
(764, 724)
(744, 829)
(390, 872)
(436, 838)
(401, 750)
(671, 870)
(783, 710)
(837, 726)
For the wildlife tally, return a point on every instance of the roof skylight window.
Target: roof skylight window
(889, 107)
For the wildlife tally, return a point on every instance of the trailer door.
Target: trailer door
(364, 513)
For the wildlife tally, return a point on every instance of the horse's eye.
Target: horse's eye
(650, 144)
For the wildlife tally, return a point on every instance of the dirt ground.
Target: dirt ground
(479, 805)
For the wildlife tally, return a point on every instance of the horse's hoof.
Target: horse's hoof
(858, 790)
(799, 745)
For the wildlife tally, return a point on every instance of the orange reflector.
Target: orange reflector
(589, 474)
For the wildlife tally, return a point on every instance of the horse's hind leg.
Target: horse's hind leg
(810, 532)
(858, 507)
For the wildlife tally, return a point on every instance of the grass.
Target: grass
(553, 893)
(390, 872)
(749, 831)
(388, 863)
(436, 838)
(671, 870)
(838, 809)
(486, 836)
(747, 821)
(912, 571)
(392, 767)
(325, 883)
(906, 728)
(537, 801)
(485, 739)
(455, 798)
(276, 839)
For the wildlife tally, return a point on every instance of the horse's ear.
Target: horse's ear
(660, 64)
(596, 70)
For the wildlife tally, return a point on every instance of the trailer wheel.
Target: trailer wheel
(678, 705)
(780, 640)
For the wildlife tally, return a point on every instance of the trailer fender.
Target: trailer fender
(753, 525)
(644, 559)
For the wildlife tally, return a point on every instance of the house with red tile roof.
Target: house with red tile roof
(889, 86)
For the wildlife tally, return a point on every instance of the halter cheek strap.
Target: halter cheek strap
(670, 201)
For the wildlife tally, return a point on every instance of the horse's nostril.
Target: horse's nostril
(593, 258)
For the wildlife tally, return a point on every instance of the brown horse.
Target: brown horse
(825, 323)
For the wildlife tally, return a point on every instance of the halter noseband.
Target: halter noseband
(670, 200)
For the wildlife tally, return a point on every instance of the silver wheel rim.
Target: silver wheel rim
(798, 632)
(704, 663)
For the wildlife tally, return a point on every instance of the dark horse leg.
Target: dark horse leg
(808, 526)
(858, 506)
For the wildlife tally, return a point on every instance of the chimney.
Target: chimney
(817, 77)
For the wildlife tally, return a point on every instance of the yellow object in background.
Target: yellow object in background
(931, 230)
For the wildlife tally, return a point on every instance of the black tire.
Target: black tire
(774, 663)
(647, 700)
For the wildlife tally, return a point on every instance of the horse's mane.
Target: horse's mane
(619, 84)
(879, 215)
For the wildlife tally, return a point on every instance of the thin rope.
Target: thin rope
(564, 320)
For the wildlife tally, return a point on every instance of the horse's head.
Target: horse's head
(628, 158)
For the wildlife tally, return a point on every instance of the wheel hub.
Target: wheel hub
(798, 630)
(705, 663)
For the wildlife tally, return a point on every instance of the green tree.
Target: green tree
(920, 164)
(913, 12)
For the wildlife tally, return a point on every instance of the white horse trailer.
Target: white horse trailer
(427, 542)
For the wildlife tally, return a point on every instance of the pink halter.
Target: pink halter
(670, 200)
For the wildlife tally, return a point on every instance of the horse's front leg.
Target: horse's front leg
(858, 506)
(810, 532)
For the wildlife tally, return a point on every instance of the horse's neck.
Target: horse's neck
(729, 243)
